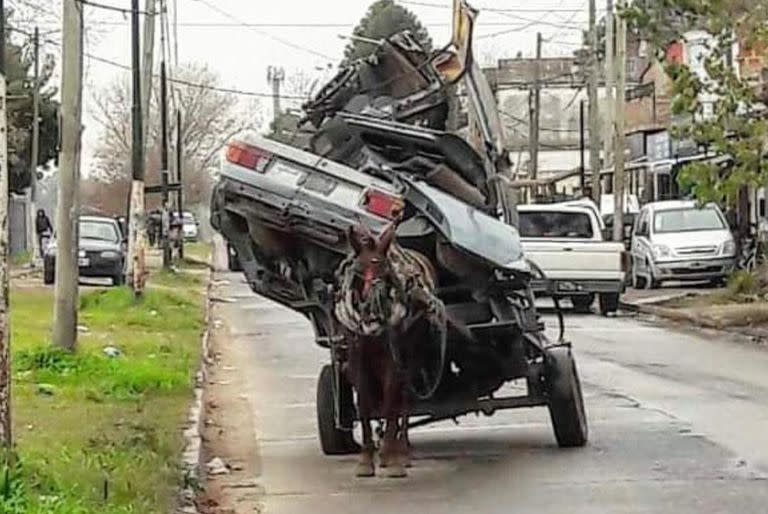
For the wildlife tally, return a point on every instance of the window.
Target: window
(688, 220)
(99, 230)
(553, 224)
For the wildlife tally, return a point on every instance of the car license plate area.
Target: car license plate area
(83, 262)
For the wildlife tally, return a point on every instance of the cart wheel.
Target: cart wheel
(332, 440)
(566, 404)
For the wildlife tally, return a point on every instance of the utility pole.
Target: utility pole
(179, 176)
(594, 106)
(136, 223)
(535, 113)
(610, 82)
(33, 158)
(5, 323)
(164, 165)
(275, 77)
(582, 149)
(148, 40)
(618, 172)
(67, 227)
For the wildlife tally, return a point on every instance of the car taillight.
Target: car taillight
(248, 156)
(383, 204)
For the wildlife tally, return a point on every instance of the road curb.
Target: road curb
(671, 314)
(694, 320)
(192, 457)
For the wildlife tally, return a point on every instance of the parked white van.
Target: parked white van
(680, 240)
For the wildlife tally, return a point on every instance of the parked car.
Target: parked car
(101, 250)
(566, 242)
(190, 226)
(679, 240)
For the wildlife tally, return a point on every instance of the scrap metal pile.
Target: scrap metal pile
(399, 83)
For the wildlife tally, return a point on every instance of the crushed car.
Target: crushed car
(381, 153)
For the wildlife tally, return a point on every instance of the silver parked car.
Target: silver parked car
(680, 240)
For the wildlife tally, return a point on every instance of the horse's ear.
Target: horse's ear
(355, 238)
(360, 237)
(386, 239)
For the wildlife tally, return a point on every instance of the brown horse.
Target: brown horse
(385, 298)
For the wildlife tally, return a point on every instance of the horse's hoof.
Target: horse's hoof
(395, 471)
(365, 470)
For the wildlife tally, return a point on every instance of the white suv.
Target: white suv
(680, 240)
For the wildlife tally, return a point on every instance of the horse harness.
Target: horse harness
(391, 299)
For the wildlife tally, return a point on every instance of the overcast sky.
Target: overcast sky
(208, 33)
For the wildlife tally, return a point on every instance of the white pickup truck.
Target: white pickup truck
(566, 242)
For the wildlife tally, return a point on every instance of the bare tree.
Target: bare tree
(210, 118)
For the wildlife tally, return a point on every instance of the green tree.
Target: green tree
(20, 76)
(384, 19)
(734, 124)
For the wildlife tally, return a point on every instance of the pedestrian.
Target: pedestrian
(44, 229)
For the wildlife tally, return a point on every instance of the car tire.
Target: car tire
(653, 282)
(118, 280)
(638, 282)
(49, 276)
(332, 440)
(566, 402)
(609, 303)
(583, 304)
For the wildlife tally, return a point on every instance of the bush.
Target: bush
(743, 283)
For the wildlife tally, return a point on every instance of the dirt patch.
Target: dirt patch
(718, 298)
(229, 435)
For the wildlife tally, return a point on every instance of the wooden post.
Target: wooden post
(164, 165)
(67, 270)
(535, 113)
(582, 149)
(594, 106)
(610, 81)
(619, 177)
(137, 229)
(6, 431)
(34, 153)
(180, 176)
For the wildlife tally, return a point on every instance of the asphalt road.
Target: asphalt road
(678, 424)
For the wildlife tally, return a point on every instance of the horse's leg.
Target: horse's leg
(391, 457)
(365, 465)
(405, 443)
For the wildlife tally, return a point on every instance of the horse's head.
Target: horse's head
(371, 295)
(371, 263)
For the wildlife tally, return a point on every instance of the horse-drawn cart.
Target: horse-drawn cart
(287, 213)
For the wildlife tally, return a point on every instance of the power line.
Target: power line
(266, 34)
(122, 10)
(310, 25)
(492, 9)
(543, 129)
(183, 82)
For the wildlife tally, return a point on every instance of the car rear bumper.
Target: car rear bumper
(97, 267)
(577, 287)
(694, 270)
